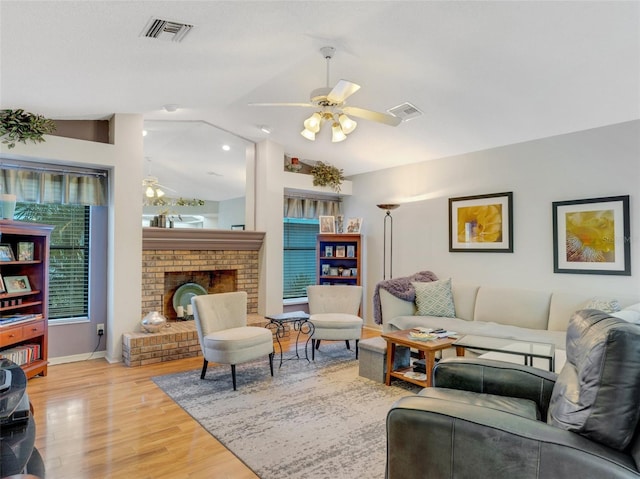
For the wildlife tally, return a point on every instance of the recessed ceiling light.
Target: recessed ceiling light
(144, 132)
(265, 129)
(226, 147)
(170, 107)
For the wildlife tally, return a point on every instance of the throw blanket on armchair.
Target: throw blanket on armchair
(400, 288)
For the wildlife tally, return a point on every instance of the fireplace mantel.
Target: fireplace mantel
(200, 239)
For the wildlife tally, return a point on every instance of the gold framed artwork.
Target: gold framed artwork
(481, 223)
(592, 236)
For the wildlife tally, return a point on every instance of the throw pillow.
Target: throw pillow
(603, 304)
(435, 299)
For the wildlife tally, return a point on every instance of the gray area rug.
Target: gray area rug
(311, 420)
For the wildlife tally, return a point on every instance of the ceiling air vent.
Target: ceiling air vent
(405, 111)
(166, 30)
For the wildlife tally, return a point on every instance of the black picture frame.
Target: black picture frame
(592, 236)
(481, 223)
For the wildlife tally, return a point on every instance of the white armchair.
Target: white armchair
(334, 313)
(225, 338)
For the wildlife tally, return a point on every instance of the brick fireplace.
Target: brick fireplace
(218, 260)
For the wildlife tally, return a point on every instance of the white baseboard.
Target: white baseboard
(77, 357)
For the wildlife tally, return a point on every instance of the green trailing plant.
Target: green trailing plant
(325, 174)
(19, 125)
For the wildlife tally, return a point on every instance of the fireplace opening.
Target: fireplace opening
(218, 281)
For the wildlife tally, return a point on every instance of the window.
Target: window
(299, 269)
(69, 255)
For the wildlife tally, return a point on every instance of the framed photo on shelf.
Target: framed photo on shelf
(340, 251)
(481, 223)
(328, 251)
(351, 251)
(592, 236)
(354, 225)
(325, 269)
(17, 284)
(237, 227)
(3, 289)
(327, 224)
(6, 253)
(25, 251)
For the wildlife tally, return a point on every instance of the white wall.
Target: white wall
(588, 164)
(231, 212)
(125, 160)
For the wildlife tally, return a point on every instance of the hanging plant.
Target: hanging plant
(325, 174)
(19, 125)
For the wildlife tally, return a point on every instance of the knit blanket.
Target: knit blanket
(400, 288)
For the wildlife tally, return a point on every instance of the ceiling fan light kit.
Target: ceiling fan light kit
(330, 105)
(337, 134)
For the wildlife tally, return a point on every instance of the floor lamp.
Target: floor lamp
(387, 218)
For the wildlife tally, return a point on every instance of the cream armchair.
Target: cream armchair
(225, 338)
(334, 314)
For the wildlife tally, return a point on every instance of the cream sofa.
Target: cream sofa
(520, 314)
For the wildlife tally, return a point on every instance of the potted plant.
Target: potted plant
(19, 125)
(325, 174)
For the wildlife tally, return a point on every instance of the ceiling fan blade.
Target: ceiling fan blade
(166, 187)
(372, 115)
(284, 104)
(343, 90)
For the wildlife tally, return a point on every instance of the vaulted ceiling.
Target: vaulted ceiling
(484, 73)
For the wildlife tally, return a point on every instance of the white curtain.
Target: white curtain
(54, 185)
(303, 207)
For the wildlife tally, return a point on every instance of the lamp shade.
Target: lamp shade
(347, 124)
(313, 123)
(309, 135)
(337, 134)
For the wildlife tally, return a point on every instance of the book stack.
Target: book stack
(23, 354)
(16, 318)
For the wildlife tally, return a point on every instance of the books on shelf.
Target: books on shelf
(16, 318)
(23, 354)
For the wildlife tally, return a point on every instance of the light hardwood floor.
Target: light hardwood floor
(101, 420)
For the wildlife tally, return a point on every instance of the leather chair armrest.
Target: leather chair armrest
(496, 377)
(438, 438)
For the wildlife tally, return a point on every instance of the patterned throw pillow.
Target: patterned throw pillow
(604, 304)
(435, 299)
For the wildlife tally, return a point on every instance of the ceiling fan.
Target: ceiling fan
(330, 105)
(152, 188)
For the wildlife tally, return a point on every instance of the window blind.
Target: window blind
(299, 257)
(68, 257)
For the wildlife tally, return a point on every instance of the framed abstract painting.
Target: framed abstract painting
(481, 223)
(592, 236)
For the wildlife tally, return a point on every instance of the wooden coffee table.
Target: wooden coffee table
(426, 349)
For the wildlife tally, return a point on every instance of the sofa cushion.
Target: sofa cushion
(518, 307)
(597, 390)
(464, 299)
(628, 315)
(434, 298)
